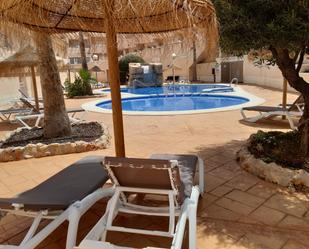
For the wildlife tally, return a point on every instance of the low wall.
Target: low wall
(9, 87)
(268, 76)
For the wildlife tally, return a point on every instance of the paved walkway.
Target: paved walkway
(239, 210)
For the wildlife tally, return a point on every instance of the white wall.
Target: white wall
(9, 87)
(204, 72)
(265, 76)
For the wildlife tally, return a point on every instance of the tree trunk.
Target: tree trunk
(194, 69)
(56, 120)
(290, 72)
(83, 51)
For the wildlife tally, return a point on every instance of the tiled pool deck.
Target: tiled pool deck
(239, 210)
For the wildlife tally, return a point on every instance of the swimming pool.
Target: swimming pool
(177, 88)
(175, 103)
(179, 102)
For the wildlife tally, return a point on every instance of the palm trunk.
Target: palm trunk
(56, 120)
(83, 51)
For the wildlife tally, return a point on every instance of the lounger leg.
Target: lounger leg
(290, 121)
(192, 210)
(243, 114)
(32, 229)
(201, 175)
(73, 227)
(192, 230)
(23, 123)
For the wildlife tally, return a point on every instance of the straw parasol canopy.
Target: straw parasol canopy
(129, 16)
(96, 69)
(112, 17)
(23, 62)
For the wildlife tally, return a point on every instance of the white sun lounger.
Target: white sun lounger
(38, 117)
(65, 196)
(169, 175)
(294, 110)
(8, 115)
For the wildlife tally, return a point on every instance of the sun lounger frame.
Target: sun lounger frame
(187, 211)
(72, 214)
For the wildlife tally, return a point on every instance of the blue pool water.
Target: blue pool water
(175, 103)
(177, 88)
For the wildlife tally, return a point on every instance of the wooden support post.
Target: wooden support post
(69, 75)
(35, 89)
(284, 95)
(112, 55)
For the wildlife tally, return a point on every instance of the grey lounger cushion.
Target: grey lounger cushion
(61, 190)
(13, 111)
(264, 108)
(70, 110)
(187, 169)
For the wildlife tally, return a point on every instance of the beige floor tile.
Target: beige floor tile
(243, 182)
(234, 206)
(218, 212)
(263, 189)
(258, 241)
(288, 204)
(214, 241)
(212, 182)
(245, 198)
(205, 202)
(223, 173)
(291, 244)
(267, 215)
(291, 222)
(221, 190)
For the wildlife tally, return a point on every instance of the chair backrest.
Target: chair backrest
(27, 103)
(143, 173)
(23, 94)
(299, 101)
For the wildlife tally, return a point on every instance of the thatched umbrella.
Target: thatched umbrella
(96, 69)
(23, 62)
(112, 17)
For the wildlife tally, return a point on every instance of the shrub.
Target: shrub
(81, 85)
(124, 65)
(279, 147)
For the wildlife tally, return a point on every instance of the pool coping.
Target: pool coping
(238, 92)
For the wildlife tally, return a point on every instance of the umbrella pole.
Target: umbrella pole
(35, 89)
(112, 55)
(284, 95)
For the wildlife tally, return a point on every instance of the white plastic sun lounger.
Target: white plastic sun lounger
(9, 114)
(294, 110)
(65, 196)
(26, 96)
(169, 175)
(38, 117)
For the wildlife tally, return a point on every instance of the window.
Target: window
(75, 44)
(78, 60)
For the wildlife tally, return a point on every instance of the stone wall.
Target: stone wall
(145, 75)
(43, 150)
(272, 172)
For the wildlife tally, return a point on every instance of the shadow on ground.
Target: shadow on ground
(268, 124)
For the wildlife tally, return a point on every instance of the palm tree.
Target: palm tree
(56, 120)
(83, 51)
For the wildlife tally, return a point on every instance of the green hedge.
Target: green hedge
(124, 65)
(81, 85)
